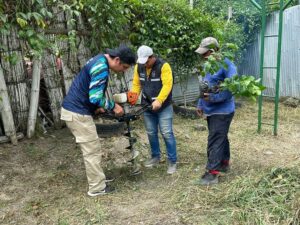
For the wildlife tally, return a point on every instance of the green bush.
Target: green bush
(173, 30)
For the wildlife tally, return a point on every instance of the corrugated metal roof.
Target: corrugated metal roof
(290, 55)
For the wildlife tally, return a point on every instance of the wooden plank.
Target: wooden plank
(6, 112)
(5, 139)
(34, 98)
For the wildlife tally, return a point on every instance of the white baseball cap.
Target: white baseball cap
(206, 44)
(143, 54)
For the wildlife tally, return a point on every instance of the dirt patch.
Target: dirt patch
(43, 180)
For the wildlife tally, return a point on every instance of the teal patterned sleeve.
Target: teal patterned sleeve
(99, 78)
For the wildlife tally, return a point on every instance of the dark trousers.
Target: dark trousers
(218, 148)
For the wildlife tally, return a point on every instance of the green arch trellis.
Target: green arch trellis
(262, 7)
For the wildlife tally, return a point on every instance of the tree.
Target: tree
(173, 30)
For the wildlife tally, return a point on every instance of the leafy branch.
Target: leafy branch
(240, 86)
(243, 86)
(217, 59)
(32, 20)
(34, 17)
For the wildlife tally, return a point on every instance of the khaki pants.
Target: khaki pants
(84, 130)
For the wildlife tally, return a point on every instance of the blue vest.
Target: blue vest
(77, 99)
(152, 84)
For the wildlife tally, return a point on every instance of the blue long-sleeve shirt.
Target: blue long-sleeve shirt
(87, 92)
(221, 102)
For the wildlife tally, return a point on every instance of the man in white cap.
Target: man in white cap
(218, 108)
(153, 77)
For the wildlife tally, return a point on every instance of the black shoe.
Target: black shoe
(209, 179)
(106, 190)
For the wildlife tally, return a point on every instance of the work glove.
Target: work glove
(132, 97)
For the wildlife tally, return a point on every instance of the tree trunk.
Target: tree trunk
(6, 113)
(83, 53)
(63, 46)
(68, 76)
(191, 4)
(73, 63)
(34, 99)
(128, 75)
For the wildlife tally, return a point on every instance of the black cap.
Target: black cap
(125, 54)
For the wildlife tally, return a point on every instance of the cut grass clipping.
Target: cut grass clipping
(272, 198)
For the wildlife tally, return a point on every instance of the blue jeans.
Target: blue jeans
(164, 120)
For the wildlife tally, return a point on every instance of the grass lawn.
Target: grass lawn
(43, 180)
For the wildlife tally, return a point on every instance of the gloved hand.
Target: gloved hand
(132, 97)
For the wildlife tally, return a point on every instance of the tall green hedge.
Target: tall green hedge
(170, 27)
(173, 30)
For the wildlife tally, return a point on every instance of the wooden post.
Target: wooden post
(229, 14)
(34, 98)
(191, 4)
(6, 113)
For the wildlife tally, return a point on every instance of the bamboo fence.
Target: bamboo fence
(57, 80)
(16, 78)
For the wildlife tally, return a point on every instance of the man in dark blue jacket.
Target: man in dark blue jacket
(218, 108)
(86, 96)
